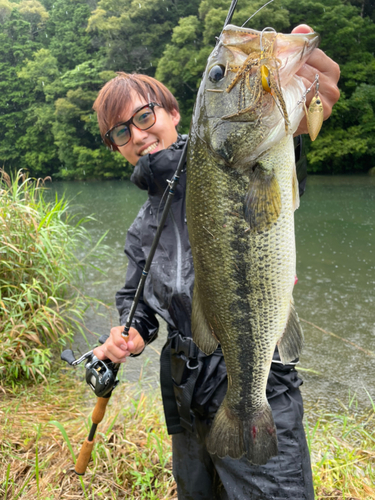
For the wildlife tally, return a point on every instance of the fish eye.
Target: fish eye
(216, 73)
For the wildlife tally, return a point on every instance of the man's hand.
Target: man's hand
(329, 74)
(117, 348)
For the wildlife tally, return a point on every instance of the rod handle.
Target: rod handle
(87, 446)
(99, 410)
(84, 457)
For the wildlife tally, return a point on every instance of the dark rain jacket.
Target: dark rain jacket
(168, 288)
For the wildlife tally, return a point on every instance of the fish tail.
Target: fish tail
(260, 436)
(255, 438)
(226, 434)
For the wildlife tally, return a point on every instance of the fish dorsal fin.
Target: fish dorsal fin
(262, 203)
(290, 344)
(203, 334)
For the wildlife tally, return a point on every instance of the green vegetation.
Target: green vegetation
(132, 453)
(56, 54)
(39, 302)
(42, 427)
(342, 448)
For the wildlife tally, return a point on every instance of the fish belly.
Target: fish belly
(244, 278)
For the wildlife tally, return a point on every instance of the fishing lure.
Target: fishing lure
(315, 112)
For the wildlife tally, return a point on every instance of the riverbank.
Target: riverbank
(132, 454)
(43, 425)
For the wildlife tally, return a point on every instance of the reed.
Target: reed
(40, 305)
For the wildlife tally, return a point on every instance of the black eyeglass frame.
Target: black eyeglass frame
(150, 105)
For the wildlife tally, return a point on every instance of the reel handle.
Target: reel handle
(68, 356)
(103, 338)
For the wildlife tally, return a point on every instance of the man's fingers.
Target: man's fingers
(117, 348)
(329, 74)
(111, 352)
(302, 28)
(324, 65)
(135, 342)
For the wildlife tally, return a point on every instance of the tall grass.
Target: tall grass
(42, 428)
(342, 448)
(39, 304)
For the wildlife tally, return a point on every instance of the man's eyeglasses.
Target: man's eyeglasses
(143, 119)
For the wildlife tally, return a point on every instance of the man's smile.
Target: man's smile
(149, 149)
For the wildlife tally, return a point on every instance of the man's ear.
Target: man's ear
(175, 117)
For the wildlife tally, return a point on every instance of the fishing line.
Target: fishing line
(161, 202)
(304, 95)
(265, 5)
(367, 351)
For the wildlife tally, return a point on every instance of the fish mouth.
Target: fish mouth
(259, 65)
(248, 39)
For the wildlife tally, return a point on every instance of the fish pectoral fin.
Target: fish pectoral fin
(290, 344)
(262, 203)
(295, 190)
(203, 334)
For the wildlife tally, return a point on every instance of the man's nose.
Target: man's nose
(137, 134)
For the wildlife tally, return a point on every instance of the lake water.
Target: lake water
(335, 238)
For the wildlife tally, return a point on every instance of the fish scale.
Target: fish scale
(241, 196)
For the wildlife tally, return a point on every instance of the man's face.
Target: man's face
(160, 136)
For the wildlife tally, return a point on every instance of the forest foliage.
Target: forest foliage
(55, 55)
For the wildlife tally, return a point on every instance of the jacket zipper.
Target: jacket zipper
(179, 254)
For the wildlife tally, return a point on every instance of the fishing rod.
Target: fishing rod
(101, 376)
(231, 10)
(172, 185)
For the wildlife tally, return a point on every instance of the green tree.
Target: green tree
(6, 8)
(76, 132)
(35, 14)
(56, 54)
(135, 32)
(182, 65)
(344, 144)
(65, 33)
(41, 74)
(15, 94)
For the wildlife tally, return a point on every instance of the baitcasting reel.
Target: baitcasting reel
(100, 375)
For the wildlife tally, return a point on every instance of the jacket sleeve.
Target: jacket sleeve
(144, 319)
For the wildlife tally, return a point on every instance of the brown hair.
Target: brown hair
(114, 97)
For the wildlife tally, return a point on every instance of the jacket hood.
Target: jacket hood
(153, 171)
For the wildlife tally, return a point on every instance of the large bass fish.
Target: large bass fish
(241, 196)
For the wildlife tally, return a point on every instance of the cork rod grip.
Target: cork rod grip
(87, 446)
(84, 457)
(99, 410)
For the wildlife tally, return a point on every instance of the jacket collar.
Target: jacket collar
(153, 171)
